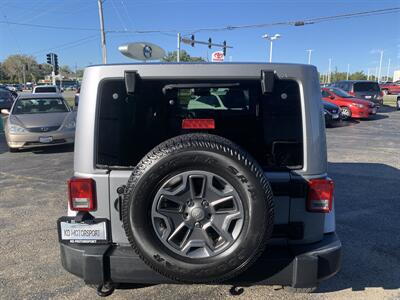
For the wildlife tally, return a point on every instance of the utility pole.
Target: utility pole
(368, 74)
(329, 70)
(388, 68)
(24, 76)
(348, 71)
(103, 34)
(178, 51)
(309, 55)
(380, 66)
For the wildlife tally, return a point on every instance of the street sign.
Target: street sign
(142, 51)
(217, 56)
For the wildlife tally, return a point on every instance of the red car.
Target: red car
(351, 106)
(390, 88)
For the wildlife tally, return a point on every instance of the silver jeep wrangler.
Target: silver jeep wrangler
(200, 173)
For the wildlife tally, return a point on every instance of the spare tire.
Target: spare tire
(198, 208)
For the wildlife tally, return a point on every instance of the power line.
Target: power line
(66, 45)
(225, 28)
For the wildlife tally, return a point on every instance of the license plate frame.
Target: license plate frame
(45, 139)
(335, 116)
(79, 231)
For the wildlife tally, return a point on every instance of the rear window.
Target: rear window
(268, 126)
(45, 89)
(366, 87)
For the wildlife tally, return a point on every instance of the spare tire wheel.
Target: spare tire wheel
(198, 208)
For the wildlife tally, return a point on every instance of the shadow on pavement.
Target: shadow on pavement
(367, 202)
(52, 149)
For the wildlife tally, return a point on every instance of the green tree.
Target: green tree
(66, 71)
(359, 75)
(16, 65)
(171, 57)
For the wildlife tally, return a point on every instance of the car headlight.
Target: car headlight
(70, 124)
(358, 105)
(17, 129)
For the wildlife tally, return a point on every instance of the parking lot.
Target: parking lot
(364, 162)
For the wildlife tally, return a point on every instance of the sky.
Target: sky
(354, 41)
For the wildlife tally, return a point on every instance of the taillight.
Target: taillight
(381, 94)
(320, 195)
(82, 194)
(351, 93)
(198, 124)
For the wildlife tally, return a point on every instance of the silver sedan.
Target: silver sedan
(39, 120)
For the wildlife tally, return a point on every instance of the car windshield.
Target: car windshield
(340, 93)
(366, 87)
(40, 106)
(45, 89)
(4, 94)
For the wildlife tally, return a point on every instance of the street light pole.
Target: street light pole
(309, 55)
(271, 39)
(103, 34)
(380, 66)
(329, 70)
(368, 74)
(348, 70)
(388, 68)
(178, 52)
(270, 51)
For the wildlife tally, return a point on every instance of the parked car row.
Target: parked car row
(355, 98)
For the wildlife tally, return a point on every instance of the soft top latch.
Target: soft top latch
(131, 78)
(267, 81)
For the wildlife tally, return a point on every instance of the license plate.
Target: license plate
(335, 116)
(374, 110)
(367, 97)
(45, 139)
(83, 233)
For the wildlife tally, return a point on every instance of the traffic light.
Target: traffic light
(209, 43)
(56, 64)
(48, 55)
(224, 50)
(192, 38)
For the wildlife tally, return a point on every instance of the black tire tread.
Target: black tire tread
(215, 143)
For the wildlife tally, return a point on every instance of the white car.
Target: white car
(46, 89)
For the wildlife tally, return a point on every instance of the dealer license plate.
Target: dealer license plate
(45, 139)
(367, 97)
(335, 116)
(83, 233)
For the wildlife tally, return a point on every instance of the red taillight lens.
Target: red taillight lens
(381, 93)
(82, 194)
(351, 93)
(320, 195)
(198, 124)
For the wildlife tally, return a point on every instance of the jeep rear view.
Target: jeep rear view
(200, 173)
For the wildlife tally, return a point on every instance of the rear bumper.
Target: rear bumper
(297, 266)
(30, 140)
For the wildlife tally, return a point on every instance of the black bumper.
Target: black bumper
(296, 266)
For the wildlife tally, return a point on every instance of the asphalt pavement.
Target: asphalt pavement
(364, 161)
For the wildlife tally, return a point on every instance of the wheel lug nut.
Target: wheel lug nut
(204, 203)
(197, 224)
(185, 215)
(189, 203)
